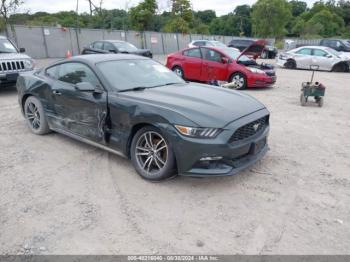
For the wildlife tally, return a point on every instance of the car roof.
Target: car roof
(314, 46)
(114, 41)
(97, 58)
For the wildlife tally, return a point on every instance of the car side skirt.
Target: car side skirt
(89, 142)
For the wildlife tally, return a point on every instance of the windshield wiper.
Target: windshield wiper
(138, 88)
(141, 88)
(167, 84)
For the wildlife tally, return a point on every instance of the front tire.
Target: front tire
(35, 116)
(178, 71)
(291, 64)
(152, 155)
(238, 80)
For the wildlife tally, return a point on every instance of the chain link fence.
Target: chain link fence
(54, 42)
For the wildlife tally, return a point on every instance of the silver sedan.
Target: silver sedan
(307, 57)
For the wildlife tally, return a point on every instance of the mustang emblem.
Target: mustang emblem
(256, 127)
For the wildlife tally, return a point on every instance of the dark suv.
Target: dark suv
(269, 51)
(339, 45)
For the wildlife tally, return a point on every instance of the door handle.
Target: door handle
(57, 93)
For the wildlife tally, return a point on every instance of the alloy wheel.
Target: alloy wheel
(151, 152)
(33, 115)
(238, 81)
(178, 71)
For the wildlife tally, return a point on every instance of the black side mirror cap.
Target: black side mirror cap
(22, 50)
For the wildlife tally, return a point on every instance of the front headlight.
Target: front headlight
(28, 64)
(198, 132)
(256, 70)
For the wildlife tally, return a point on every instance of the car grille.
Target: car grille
(250, 129)
(12, 66)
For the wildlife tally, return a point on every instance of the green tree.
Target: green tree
(7, 8)
(344, 6)
(205, 16)
(142, 15)
(183, 9)
(270, 17)
(330, 24)
(243, 14)
(298, 7)
(177, 24)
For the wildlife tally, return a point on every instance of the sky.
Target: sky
(220, 6)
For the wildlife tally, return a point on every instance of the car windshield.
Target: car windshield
(346, 43)
(131, 74)
(234, 54)
(218, 44)
(124, 46)
(7, 47)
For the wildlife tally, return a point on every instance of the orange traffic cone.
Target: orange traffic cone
(68, 54)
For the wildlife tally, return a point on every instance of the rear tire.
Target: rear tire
(340, 68)
(35, 116)
(152, 154)
(239, 80)
(320, 101)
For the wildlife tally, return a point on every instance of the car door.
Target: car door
(192, 63)
(303, 58)
(213, 67)
(322, 59)
(82, 113)
(95, 47)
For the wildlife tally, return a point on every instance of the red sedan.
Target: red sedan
(205, 64)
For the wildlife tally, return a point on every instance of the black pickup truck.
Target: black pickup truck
(115, 46)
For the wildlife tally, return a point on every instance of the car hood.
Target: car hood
(9, 56)
(141, 51)
(255, 49)
(205, 105)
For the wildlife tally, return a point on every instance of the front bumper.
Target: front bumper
(262, 81)
(9, 79)
(227, 158)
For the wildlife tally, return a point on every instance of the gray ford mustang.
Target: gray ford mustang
(135, 107)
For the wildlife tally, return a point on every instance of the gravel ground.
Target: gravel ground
(59, 196)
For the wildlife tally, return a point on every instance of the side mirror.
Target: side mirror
(85, 87)
(329, 56)
(113, 51)
(22, 50)
(225, 60)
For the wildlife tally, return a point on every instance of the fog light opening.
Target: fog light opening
(211, 158)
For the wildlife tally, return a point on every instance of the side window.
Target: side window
(304, 51)
(211, 55)
(193, 53)
(98, 45)
(53, 72)
(199, 43)
(108, 46)
(74, 73)
(318, 52)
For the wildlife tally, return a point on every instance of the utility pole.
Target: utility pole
(77, 26)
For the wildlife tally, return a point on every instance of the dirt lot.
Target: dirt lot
(59, 196)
